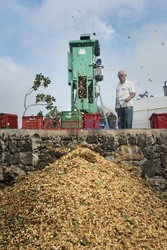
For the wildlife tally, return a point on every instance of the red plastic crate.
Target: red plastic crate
(158, 120)
(9, 121)
(91, 121)
(32, 122)
(51, 124)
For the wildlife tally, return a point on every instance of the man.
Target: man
(125, 92)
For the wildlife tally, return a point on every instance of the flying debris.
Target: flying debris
(162, 43)
(94, 34)
(72, 16)
(149, 79)
(141, 67)
(128, 37)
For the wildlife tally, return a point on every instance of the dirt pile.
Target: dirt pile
(82, 201)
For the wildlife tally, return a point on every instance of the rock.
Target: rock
(151, 168)
(12, 147)
(158, 182)
(128, 153)
(164, 173)
(108, 144)
(1, 173)
(10, 173)
(27, 158)
(92, 139)
(151, 152)
(142, 141)
(1, 148)
(164, 160)
(162, 139)
(110, 158)
(24, 145)
(132, 139)
(84, 144)
(122, 140)
(16, 158)
(7, 159)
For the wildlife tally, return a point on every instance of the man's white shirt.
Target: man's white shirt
(122, 92)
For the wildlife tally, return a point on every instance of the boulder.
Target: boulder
(10, 173)
(128, 153)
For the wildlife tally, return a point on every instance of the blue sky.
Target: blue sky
(34, 38)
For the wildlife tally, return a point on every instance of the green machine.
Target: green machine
(84, 73)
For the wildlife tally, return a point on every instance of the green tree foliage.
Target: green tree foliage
(40, 99)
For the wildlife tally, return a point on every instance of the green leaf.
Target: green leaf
(28, 241)
(76, 225)
(11, 219)
(129, 229)
(82, 202)
(91, 215)
(22, 216)
(124, 189)
(94, 167)
(97, 197)
(16, 221)
(132, 222)
(146, 246)
(117, 232)
(58, 181)
(124, 216)
(84, 241)
(99, 183)
(104, 171)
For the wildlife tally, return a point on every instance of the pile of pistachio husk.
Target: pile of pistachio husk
(82, 201)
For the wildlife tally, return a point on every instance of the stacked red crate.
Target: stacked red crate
(91, 121)
(9, 121)
(158, 120)
(32, 122)
(51, 124)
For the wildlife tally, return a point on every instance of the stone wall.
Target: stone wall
(26, 150)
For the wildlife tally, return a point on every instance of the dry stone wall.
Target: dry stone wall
(27, 150)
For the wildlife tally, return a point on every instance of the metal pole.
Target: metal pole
(103, 110)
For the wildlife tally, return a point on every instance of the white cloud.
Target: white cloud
(100, 27)
(15, 79)
(149, 58)
(55, 15)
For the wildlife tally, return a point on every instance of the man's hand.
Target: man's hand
(127, 99)
(130, 97)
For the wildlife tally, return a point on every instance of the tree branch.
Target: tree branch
(35, 104)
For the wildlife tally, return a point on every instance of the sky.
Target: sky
(35, 35)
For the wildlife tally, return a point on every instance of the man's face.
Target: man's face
(122, 76)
